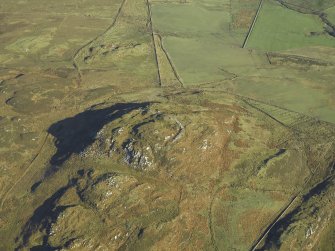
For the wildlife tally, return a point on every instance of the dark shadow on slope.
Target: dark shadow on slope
(47, 214)
(318, 189)
(73, 135)
(43, 218)
(273, 239)
(277, 154)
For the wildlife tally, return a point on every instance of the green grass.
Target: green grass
(310, 5)
(311, 97)
(259, 207)
(203, 50)
(331, 14)
(190, 193)
(211, 61)
(197, 37)
(279, 28)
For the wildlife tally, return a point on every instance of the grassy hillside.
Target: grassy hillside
(144, 125)
(331, 14)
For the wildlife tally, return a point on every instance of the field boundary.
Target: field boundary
(173, 67)
(287, 207)
(253, 24)
(74, 62)
(153, 41)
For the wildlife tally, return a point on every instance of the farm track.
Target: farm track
(175, 72)
(253, 23)
(27, 169)
(153, 42)
(74, 62)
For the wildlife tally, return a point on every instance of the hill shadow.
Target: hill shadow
(75, 134)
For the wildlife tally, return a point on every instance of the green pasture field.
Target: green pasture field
(211, 61)
(331, 14)
(200, 39)
(311, 94)
(278, 28)
(185, 29)
(204, 49)
(310, 5)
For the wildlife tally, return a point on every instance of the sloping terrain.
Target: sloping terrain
(290, 56)
(166, 125)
